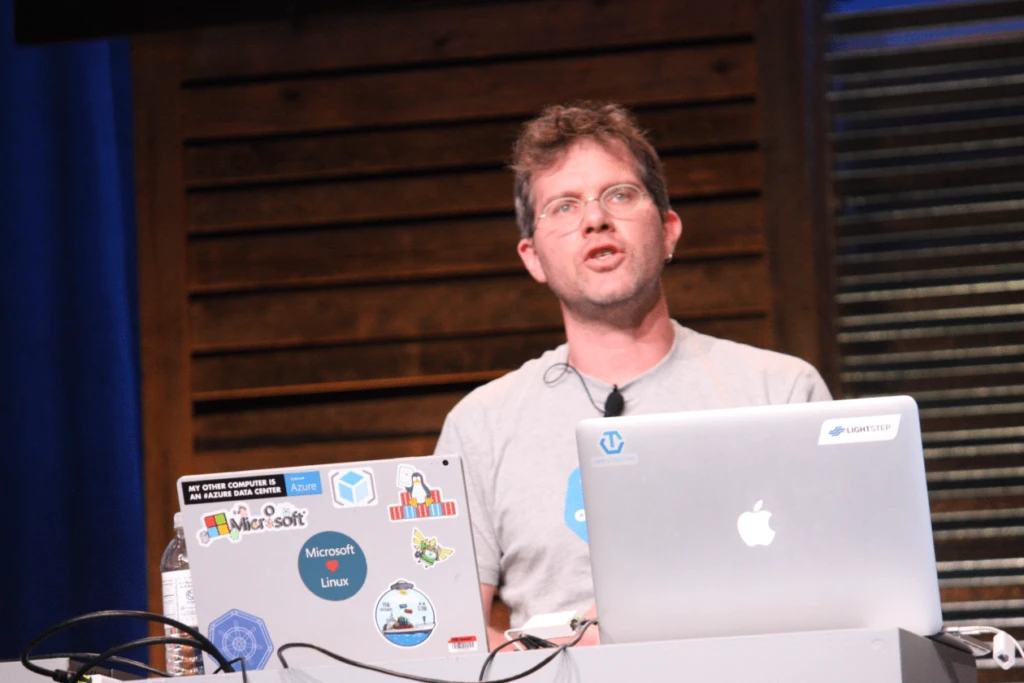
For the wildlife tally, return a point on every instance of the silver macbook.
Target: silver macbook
(372, 560)
(759, 520)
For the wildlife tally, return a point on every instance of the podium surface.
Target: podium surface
(847, 656)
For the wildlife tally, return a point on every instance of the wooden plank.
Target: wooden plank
(412, 310)
(427, 249)
(363, 39)
(302, 420)
(467, 92)
(163, 325)
(797, 245)
(212, 375)
(473, 144)
(322, 453)
(424, 196)
(368, 361)
(973, 593)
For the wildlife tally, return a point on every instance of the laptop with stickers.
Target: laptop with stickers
(372, 560)
(760, 520)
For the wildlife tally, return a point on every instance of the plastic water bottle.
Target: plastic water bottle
(179, 604)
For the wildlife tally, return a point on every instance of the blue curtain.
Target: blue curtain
(69, 396)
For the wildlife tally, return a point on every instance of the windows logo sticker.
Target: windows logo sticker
(353, 488)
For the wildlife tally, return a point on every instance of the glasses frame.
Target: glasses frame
(600, 199)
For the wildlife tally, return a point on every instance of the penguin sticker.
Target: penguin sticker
(417, 499)
(419, 492)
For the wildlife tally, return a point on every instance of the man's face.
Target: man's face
(604, 262)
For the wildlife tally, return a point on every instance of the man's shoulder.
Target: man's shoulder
(739, 356)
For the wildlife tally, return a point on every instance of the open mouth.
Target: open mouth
(602, 253)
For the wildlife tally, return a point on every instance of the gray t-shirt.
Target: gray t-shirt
(518, 442)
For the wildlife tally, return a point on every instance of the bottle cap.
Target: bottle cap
(179, 521)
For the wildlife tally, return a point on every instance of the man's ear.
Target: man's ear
(673, 229)
(528, 253)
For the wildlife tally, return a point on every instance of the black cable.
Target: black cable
(80, 673)
(613, 405)
(424, 679)
(63, 676)
(240, 660)
(539, 642)
(124, 661)
(492, 653)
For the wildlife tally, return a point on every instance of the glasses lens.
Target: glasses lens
(622, 200)
(564, 211)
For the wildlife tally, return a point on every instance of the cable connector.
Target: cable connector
(1004, 650)
(1004, 646)
(547, 626)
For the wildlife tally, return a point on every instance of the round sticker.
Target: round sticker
(332, 566)
(404, 615)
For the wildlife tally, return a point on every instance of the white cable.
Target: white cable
(1004, 646)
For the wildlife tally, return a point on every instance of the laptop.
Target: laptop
(761, 520)
(371, 560)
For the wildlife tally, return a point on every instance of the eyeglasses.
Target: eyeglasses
(620, 201)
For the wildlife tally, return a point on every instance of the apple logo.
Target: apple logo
(754, 528)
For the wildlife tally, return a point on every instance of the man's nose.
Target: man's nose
(595, 218)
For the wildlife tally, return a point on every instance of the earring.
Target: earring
(668, 260)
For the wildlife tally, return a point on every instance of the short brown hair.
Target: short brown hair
(545, 138)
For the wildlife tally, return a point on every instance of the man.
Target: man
(596, 226)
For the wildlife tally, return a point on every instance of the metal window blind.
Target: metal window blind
(926, 142)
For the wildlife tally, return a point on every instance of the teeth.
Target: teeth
(603, 253)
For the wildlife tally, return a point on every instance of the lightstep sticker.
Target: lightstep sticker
(251, 488)
(404, 615)
(332, 566)
(859, 429)
(240, 635)
(240, 521)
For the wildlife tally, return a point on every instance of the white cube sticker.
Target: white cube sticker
(859, 429)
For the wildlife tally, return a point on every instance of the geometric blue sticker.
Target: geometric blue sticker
(612, 442)
(303, 483)
(575, 515)
(332, 566)
(237, 634)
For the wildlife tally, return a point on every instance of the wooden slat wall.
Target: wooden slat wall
(327, 245)
(926, 142)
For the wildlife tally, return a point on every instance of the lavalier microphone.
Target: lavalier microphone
(613, 405)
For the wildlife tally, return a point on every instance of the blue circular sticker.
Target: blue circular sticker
(332, 566)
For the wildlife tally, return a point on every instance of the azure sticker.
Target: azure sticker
(332, 566)
(241, 521)
(242, 636)
(353, 488)
(404, 615)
